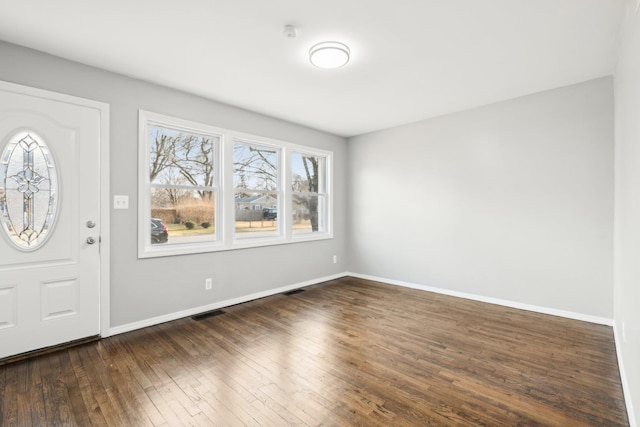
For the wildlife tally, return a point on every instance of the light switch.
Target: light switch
(120, 202)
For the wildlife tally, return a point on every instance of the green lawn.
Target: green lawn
(241, 227)
(182, 230)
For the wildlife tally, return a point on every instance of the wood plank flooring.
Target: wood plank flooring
(344, 353)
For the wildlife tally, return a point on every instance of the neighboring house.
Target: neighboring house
(258, 202)
(263, 201)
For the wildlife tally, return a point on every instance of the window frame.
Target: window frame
(225, 202)
(237, 138)
(322, 192)
(145, 248)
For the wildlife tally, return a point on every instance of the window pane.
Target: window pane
(180, 158)
(182, 216)
(307, 173)
(309, 214)
(255, 167)
(28, 190)
(253, 221)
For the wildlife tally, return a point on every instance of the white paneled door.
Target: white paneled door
(49, 220)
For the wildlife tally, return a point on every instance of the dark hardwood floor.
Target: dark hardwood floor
(343, 353)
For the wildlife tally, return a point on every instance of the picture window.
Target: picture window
(205, 189)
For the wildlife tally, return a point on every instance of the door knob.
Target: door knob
(91, 240)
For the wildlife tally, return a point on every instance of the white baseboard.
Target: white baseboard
(221, 304)
(506, 303)
(215, 306)
(623, 377)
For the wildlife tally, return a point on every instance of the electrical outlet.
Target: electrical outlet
(335, 259)
(208, 283)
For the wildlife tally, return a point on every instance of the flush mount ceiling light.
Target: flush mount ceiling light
(329, 54)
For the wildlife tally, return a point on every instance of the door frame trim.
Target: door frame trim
(105, 241)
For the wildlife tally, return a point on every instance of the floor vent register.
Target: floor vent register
(207, 314)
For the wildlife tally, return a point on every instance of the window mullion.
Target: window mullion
(228, 206)
(287, 221)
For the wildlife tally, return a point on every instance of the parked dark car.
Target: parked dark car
(269, 213)
(159, 231)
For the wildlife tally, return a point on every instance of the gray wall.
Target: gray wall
(512, 201)
(627, 236)
(143, 289)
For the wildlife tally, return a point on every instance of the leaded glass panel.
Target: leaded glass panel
(28, 190)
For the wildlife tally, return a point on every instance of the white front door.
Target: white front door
(49, 220)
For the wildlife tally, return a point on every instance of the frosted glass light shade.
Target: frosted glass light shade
(329, 54)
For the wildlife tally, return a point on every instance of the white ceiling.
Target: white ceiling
(411, 59)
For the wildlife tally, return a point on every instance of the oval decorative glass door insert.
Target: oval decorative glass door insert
(28, 190)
